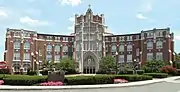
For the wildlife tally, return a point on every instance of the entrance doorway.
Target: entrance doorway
(89, 66)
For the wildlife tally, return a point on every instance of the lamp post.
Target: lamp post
(116, 62)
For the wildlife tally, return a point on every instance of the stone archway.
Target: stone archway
(16, 67)
(90, 63)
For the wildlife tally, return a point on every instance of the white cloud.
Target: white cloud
(3, 12)
(141, 16)
(177, 37)
(70, 2)
(72, 19)
(33, 22)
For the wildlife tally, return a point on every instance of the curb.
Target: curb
(131, 84)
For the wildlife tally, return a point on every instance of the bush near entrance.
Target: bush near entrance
(157, 75)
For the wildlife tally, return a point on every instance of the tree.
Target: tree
(66, 64)
(107, 64)
(153, 65)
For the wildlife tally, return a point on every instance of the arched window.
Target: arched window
(121, 48)
(27, 45)
(17, 45)
(150, 45)
(65, 48)
(57, 48)
(49, 47)
(129, 47)
(159, 44)
(113, 48)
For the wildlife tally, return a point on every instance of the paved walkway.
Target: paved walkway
(161, 85)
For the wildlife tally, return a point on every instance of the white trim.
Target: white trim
(16, 60)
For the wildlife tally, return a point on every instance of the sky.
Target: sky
(121, 16)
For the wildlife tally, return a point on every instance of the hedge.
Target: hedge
(157, 75)
(104, 79)
(27, 80)
(22, 79)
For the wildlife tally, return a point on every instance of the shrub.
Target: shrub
(44, 72)
(23, 79)
(130, 71)
(4, 71)
(31, 73)
(104, 79)
(169, 69)
(140, 72)
(178, 72)
(157, 75)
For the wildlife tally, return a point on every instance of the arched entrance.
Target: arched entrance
(90, 63)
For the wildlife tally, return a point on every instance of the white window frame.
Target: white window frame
(16, 56)
(113, 48)
(65, 48)
(27, 56)
(121, 58)
(159, 56)
(129, 58)
(27, 45)
(121, 48)
(159, 44)
(129, 47)
(149, 56)
(57, 48)
(149, 45)
(48, 57)
(17, 45)
(57, 58)
(49, 47)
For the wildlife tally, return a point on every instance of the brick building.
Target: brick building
(87, 45)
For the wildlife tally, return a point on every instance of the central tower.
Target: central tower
(89, 30)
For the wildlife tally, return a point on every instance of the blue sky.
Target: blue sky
(121, 16)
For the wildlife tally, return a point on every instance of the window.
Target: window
(57, 58)
(121, 38)
(159, 56)
(121, 58)
(149, 56)
(113, 48)
(129, 38)
(16, 34)
(27, 45)
(150, 45)
(77, 47)
(129, 47)
(129, 58)
(57, 48)
(121, 48)
(26, 56)
(65, 48)
(159, 44)
(137, 51)
(16, 56)
(17, 45)
(100, 47)
(49, 47)
(48, 57)
(113, 39)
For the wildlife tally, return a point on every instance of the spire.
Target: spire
(89, 9)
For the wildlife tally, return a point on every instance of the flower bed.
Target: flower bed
(120, 81)
(51, 83)
(1, 82)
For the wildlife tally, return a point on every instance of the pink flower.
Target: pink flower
(120, 81)
(51, 83)
(1, 82)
